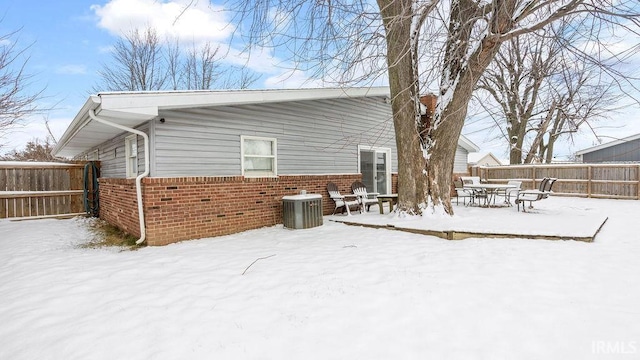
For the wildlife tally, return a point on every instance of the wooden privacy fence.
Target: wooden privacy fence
(613, 181)
(36, 190)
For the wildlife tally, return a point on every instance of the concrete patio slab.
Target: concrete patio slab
(550, 220)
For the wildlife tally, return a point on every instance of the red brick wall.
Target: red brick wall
(194, 207)
(118, 204)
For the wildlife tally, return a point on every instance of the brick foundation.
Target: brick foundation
(195, 207)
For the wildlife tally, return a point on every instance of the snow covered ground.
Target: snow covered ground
(332, 292)
(549, 219)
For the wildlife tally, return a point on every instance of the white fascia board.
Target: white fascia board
(133, 108)
(79, 121)
(467, 144)
(135, 101)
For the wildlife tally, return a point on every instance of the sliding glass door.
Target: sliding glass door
(375, 167)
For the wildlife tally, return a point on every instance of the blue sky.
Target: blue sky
(65, 51)
(70, 41)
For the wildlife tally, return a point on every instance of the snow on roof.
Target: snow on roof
(476, 157)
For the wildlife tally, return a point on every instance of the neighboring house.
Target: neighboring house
(483, 159)
(219, 162)
(622, 150)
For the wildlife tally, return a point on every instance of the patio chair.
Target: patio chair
(340, 201)
(508, 193)
(365, 198)
(542, 193)
(461, 192)
(475, 193)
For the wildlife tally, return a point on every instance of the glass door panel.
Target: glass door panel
(375, 170)
(367, 166)
(381, 173)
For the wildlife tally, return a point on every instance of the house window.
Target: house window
(131, 155)
(259, 156)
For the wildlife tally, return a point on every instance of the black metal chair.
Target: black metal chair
(542, 193)
(475, 193)
(461, 192)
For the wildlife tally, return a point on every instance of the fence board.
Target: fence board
(40, 189)
(614, 181)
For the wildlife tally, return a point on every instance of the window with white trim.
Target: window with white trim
(259, 156)
(131, 155)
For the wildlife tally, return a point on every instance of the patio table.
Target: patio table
(390, 198)
(490, 189)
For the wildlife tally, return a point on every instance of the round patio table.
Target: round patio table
(490, 189)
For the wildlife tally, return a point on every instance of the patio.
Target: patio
(551, 219)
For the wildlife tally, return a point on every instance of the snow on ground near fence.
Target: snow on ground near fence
(332, 292)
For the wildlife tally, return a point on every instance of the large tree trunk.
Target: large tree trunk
(534, 152)
(461, 72)
(397, 16)
(516, 138)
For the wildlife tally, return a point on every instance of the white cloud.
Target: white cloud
(261, 60)
(33, 128)
(72, 69)
(292, 79)
(197, 22)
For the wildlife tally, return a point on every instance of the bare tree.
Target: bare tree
(137, 63)
(140, 61)
(352, 36)
(542, 93)
(514, 81)
(577, 99)
(36, 149)
(240, 78)
(201, 68)
(175, 75)
(16, 102)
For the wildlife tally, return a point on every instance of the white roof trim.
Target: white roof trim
(467, 144)
(609, 144)
(132, 109)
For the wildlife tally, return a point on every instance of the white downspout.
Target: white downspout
(143, 232)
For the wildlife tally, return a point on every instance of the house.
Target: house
(181, 165)
(483, 159)
(621, 150)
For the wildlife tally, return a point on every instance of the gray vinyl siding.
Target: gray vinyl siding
(112, 155)
(460, 164)
(625, 152)
(314, 137)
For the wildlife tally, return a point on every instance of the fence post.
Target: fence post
(589, 177)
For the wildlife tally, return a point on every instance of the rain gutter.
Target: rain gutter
(143, 231)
